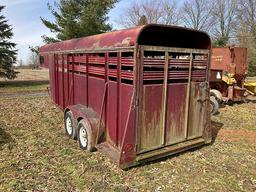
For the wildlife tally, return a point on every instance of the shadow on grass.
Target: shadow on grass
(216, 126)
(5, 138)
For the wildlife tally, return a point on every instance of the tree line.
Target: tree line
(226, 21)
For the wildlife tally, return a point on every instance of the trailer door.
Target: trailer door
(173, 102)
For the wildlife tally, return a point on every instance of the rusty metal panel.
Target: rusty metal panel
(197, 110)
(151, 131)
(125, 105)
(130, 37)
(240, 60)
(176, 108)
(95, 93)
(111, 125)
(80, 89)
(122, 38)
(230, 59)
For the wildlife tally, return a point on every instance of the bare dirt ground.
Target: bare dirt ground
(35, 155)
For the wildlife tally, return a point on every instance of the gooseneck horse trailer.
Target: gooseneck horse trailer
(136, 94)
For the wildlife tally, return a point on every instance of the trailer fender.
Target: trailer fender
(92, 118)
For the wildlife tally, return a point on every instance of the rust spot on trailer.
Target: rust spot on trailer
(132, 36)
(197, 109)
(152, 117)
(175, 124)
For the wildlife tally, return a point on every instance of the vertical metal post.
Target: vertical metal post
(87, 79)
(118, 119)
(106, 82)
(139, 93)
(208, 66)
(68, 79)
(55, 77)
(57, 90)
(63, 82)
(188, 95)
(73, 77)
(165, 89)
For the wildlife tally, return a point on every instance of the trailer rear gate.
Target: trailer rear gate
(148, 86)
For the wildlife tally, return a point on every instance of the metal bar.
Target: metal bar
(68, 80)
(118, 118)
(87, 79)
(208, 66)
(106, 81)
(55, 77)
(165, 88)
(71, 86)
(188, 95)
(73, 78)
(176, 49)
(101, 110)
(122, 49)
(179, 147)
(126, 124)
(140, 94)
(63, 83)
(57, 69)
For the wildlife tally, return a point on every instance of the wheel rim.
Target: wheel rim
(83, 137)
(69, 125)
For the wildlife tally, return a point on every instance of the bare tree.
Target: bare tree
(246, 32)
(152, 11)
(225, 17)
(20, 63)
(170, 13)
(197, 14)
(247, 15)
(33, 60)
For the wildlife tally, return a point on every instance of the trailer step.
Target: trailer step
(170, 150)
(110, 151)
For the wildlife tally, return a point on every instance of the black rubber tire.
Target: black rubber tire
(84, 130)
(73, 133)
(214, 105)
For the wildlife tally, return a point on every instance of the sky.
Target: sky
(24, 16)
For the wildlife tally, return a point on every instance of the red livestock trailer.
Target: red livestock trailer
(136, 94)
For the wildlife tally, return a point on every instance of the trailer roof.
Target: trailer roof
(152, 34)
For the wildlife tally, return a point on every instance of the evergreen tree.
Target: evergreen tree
(143, 20)
(78, 18)
(7, 49)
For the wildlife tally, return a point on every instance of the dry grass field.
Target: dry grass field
(30, 74)
(35, 154)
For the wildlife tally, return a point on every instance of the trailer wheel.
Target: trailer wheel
(217, 94)
(70, 125)
(85, 138)
(214, 105)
